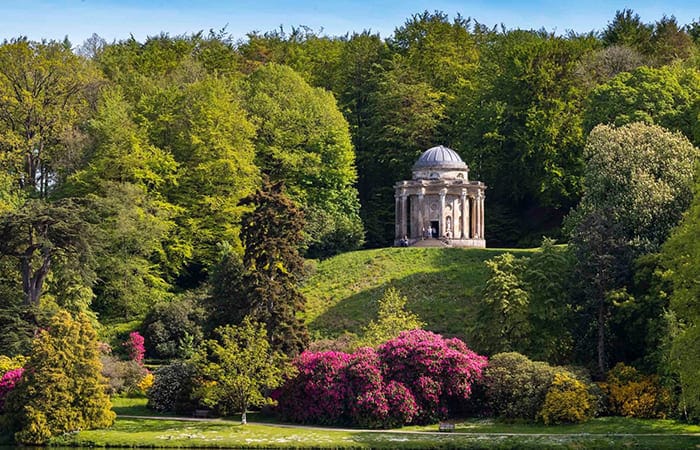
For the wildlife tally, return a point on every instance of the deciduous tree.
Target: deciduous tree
(303, 140)
(637, 185)
(680, 256)
(237, 370)
(45, 94)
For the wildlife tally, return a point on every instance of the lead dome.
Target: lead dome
(440, 157)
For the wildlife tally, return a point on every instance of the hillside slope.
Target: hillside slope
(442, 286)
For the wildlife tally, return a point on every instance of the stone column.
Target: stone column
(404, 213)
(472, 204)
(465, 215)
(478, 216)
(397, 216)
(441, 217)
(481, 211)
(421, 210)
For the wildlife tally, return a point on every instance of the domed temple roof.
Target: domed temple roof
(440, 157)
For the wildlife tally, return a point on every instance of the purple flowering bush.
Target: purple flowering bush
(8, 382)
(409, 379)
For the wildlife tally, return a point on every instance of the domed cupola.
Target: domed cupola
(440, 162)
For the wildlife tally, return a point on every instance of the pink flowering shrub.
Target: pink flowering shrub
(135, 347)
(318, 392)
(411, 378)
(8, 382)
(434, 369)
(402, 404)
(368, 406)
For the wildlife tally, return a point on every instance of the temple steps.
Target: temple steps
(430, 243)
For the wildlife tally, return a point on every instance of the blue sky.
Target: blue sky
(112, 19)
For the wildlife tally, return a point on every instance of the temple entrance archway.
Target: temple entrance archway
(434, 228)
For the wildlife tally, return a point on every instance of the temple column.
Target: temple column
(441, 218)
(465, 215)
(472, 204)
(404, 213)
(478, 231)
(481, 218)
(421, 223)
(397, 215)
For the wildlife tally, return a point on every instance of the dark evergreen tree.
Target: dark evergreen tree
(271, 234)
(225, 293)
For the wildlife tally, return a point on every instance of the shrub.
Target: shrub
(410, 378)
(7, 363)
(632, 394)
(317, 394)
(345, 343)
(434, 369)
(567, 401)
(135, 347)
(62, 389)
(515, 386)
(146, 382)
(402, 404)
(8, 381)
(124, 377)
(363, 377)
(168, 327)
(172, 388)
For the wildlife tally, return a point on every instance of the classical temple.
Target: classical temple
(440, 205)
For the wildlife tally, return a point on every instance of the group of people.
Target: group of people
(429, 232)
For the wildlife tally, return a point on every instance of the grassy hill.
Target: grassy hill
(442, 286)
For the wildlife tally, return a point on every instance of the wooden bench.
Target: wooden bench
(446, 427)
(201, 413)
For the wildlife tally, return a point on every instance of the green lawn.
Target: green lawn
(442, 286)
(606, 432)
(600, 425)
(134, 406)
(229, 434)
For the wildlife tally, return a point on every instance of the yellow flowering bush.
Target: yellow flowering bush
(632, 394)
(7, 363)
(146, 382)
(567, 401)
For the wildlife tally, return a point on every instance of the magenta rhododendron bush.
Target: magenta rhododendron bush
(411, 378)
(8, 382)
(135, 346)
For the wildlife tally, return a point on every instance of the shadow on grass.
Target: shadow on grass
(443, 287)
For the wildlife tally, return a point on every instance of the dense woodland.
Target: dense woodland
(175, 186)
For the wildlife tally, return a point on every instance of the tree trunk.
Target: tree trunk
(34, 282)
(601, 338)
(243, 418)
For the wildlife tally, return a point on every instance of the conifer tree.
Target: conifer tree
(62, 388)
(271, 234)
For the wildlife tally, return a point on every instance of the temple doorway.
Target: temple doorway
(434, 228)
